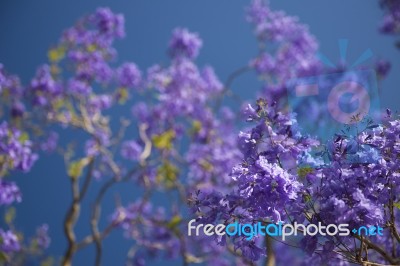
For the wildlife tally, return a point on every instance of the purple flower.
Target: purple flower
(257, 11)
(42, 236)
(91, 148)
(9, 193)
(184, 43)
(8, 241)
(79, 87)
(264, 63)
(382, 68)
(141, 112)
(390, 24)
(99, 102)
(131, 150)
(17, 109)
(252, 251)
(290, 50)
(309, 244)
(50, 144)
(129, 75)
(391, 20)
(11, 83)
(109, 23)
(213, 84)
(16, 149)
(44, 88)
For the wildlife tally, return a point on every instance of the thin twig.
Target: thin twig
(87, 181)
(378, 249)
(227, 86)
(96, 212)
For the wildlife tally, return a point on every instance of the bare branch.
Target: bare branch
(380, 250)
(97, 237)
(147, 143)
(271, 259)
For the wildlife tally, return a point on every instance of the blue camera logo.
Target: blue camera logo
(338, 107)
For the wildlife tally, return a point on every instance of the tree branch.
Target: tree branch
(271, 259)
(73, 213)
(378, 249)
(97, 237)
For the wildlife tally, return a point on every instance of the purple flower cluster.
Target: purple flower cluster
(10, 83)
(89, 44)
(291, 50)
(9, 193)
(50, 143)
(182, 104)
(157, 233)
(265, 182)
(358, 193)
(129, 75)
(185, 43)
(87, 50)
(391, 20)
(180, 112)
(131, 150)
(15, 154)
(109, 24)
(12, 91)
(44, 87)
(270, 150)
(183, 88)
(275, 183)
(212, 152)
(9, 242)
(149, 226)
(15, 150)
(42, 237)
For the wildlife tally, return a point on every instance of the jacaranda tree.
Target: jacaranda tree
(219, 165)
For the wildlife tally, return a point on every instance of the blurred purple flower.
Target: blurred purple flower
(129, 75)
(9, 242)
(42, 236)
(9, 193)
(185, 43)
(50, 144)
(131, 150)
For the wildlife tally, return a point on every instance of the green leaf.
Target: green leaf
(307, 197)
(196, 127)
(10, 215)
(56, 54)
(3, 257)
(75, 168)
(164, 140)
(58, 104)
(175, 221)
(167, 174)
(304, 171)
(24, 137)
(397, 205)
(91, 48)
(206, 165)
(123, 95)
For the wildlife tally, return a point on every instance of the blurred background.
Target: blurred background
(29, 28)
